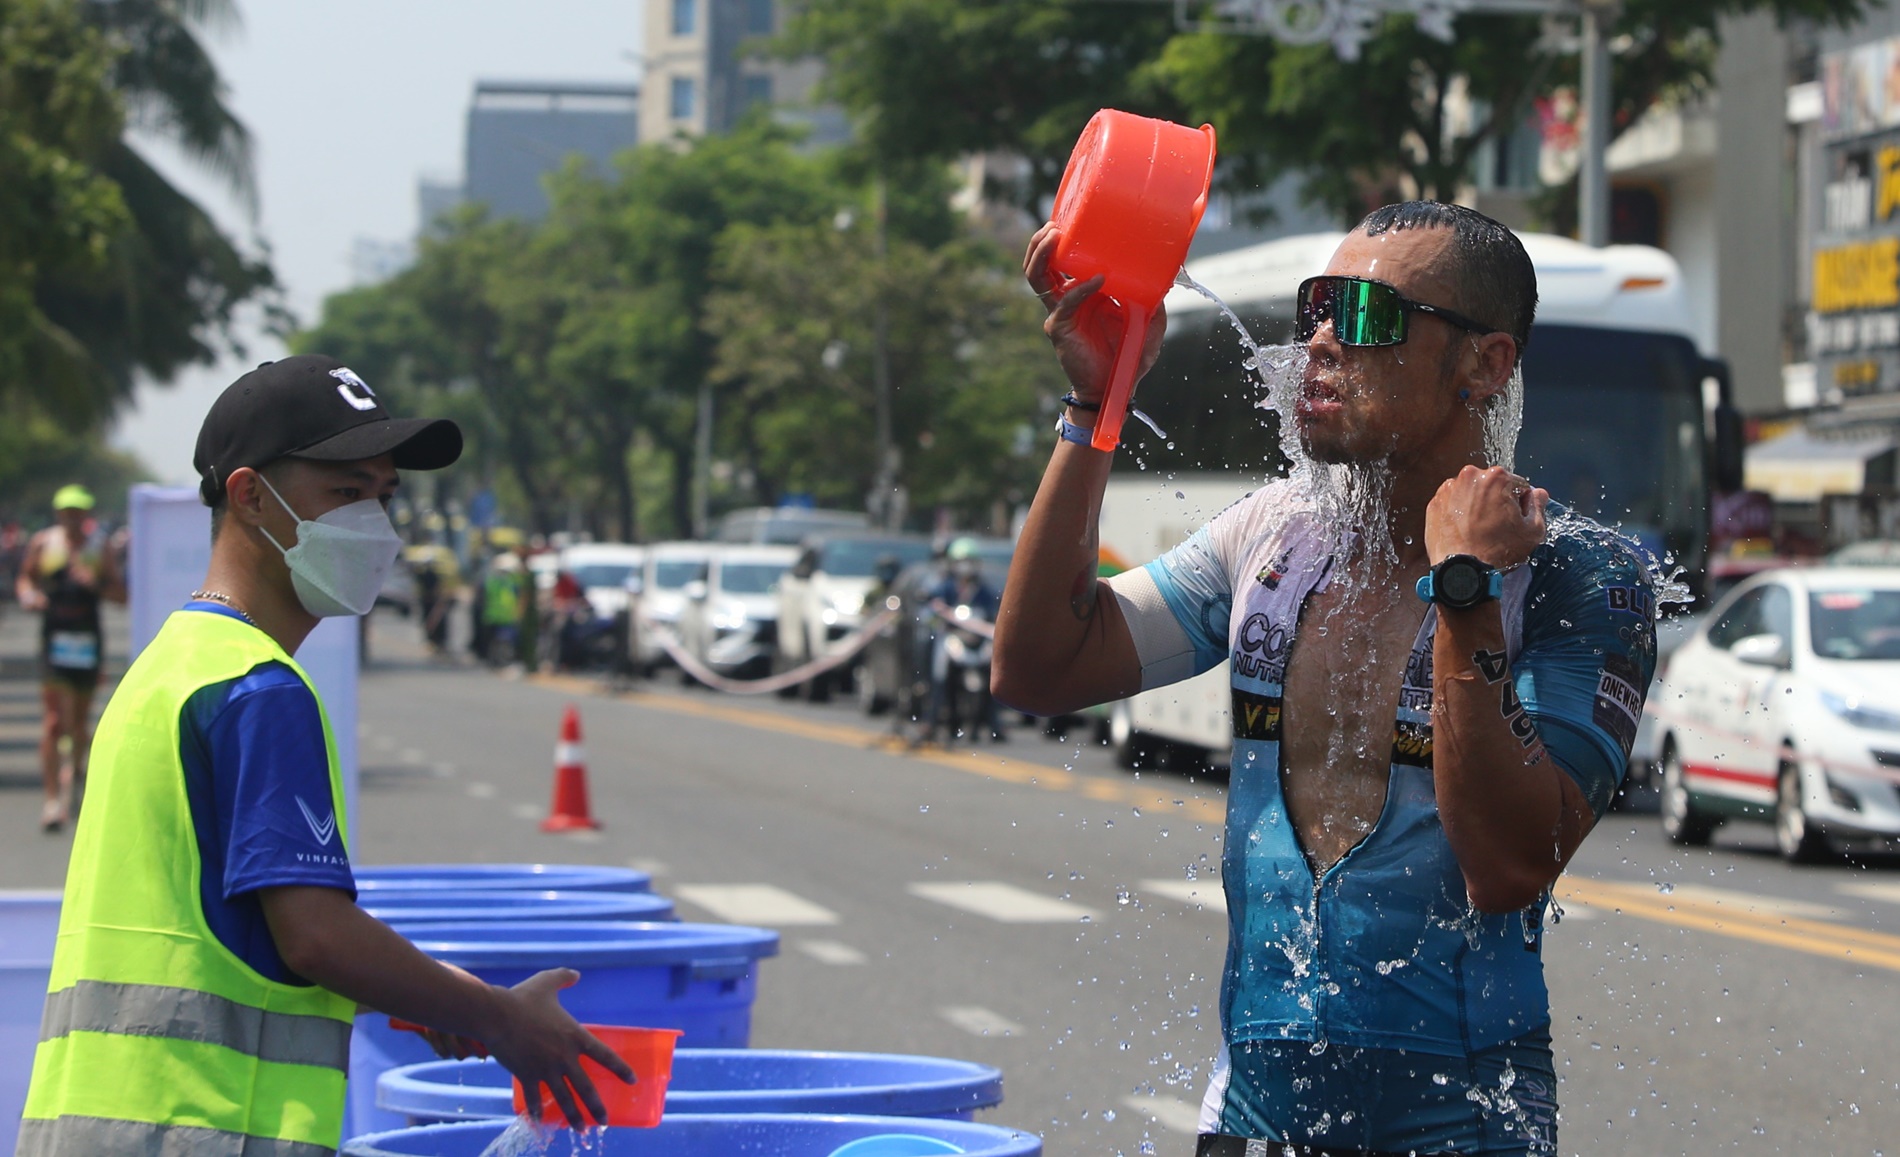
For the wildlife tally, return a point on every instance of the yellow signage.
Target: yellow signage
(1887, 173)
(1862, 276)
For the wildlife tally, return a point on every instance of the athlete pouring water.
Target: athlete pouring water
(1435, 688)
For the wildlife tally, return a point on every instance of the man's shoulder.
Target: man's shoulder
(271, 685)
(1581, 558)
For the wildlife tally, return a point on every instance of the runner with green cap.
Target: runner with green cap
(64, 574)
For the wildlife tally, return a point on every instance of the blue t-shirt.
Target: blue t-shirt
(258, 782)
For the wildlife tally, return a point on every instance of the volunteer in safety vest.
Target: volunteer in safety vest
(211, 955)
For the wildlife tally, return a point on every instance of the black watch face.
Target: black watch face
(1460, 583)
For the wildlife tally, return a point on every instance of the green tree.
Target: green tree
(1356, 130)
(968, 367)
(59, 214)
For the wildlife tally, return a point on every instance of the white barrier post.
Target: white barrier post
(167, 557)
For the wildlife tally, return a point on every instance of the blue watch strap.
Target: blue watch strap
(1070, 432)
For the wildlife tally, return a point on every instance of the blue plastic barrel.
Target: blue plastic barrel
(435, 906)
(29, 924)
(699, 978)
(488, 877)
(725, 1081)
(688, 1135)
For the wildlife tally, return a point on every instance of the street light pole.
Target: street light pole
(1593, 177)
(883, 500)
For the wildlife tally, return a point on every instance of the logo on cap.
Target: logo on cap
(353, 389)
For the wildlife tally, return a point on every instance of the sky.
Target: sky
(349, 102)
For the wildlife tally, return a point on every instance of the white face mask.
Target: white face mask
(341, 559)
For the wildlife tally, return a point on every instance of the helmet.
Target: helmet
(962, 549)
(73, 497)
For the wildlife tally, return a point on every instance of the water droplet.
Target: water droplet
(923, 807)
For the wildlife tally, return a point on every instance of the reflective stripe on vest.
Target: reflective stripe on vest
(185, 1014)
(101, 1136)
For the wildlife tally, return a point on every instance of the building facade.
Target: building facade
(706, 68)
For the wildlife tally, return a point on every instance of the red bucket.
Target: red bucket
(1127, 209)
(648, 1051)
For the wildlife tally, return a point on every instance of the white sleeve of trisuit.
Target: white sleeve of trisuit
(1165, 651)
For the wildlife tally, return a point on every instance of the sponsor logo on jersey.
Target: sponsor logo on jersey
(1631, 601)
(1256, 717)
(323, 829)
(1412, 745)
(1415, 693)
(1273, 572)
(1619, 701)
(1260, 649)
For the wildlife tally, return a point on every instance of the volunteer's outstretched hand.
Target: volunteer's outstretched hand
(541, 1044)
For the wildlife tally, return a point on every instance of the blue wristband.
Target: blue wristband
(1070, 432)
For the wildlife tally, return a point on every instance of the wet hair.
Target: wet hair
(1488, 262)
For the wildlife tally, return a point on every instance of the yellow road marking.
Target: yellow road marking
(1105, 789)
(1740, 917)
(1816, 937)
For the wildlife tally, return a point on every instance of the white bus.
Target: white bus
(1625, 420)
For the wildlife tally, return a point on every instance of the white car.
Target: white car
(608, 573)
(1784, 706)
(730, 622)
(670, 567)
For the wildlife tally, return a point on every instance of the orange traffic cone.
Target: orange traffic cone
(570, 812)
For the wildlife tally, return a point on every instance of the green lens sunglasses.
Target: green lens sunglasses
(1366, 312)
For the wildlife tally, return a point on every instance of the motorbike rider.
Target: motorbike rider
(962, 586)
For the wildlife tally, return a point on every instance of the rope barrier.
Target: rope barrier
(836, 654)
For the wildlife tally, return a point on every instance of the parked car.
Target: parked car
(821, 599)
(1784, 706)
(730, 621)
(785, 525)
(670, 567)
(608, 573)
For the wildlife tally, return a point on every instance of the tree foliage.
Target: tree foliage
(730, 264)
(107, 271)
(940, 78)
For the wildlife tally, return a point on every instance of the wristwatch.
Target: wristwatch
(1461, 582)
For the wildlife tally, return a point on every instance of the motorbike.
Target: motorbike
(969, 644)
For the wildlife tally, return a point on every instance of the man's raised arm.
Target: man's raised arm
(1061, 642)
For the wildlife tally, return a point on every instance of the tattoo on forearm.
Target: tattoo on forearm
(1082, 596)
(1493, 665)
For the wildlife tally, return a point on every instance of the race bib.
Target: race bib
(78, 650)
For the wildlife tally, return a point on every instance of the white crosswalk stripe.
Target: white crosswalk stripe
(1172, 1114)
(979, 1021)
(762, 904)
(830, 952)
(1204, 894)
(1005, 903)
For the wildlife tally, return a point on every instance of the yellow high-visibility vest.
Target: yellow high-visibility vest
(157, 1039)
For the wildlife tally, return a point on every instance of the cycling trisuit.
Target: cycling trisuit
(71, 639)
(1384, 951)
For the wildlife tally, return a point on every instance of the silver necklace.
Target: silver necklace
(219, 597)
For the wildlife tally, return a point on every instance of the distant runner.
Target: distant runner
(1435, 690)
(66, 571)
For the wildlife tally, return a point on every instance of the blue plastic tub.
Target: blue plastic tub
(773, 1134)
(488, 877)
(435, 906)
(29, 924)
(725, 1081)
(699, 978)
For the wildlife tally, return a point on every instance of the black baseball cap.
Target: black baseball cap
(315, 407)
